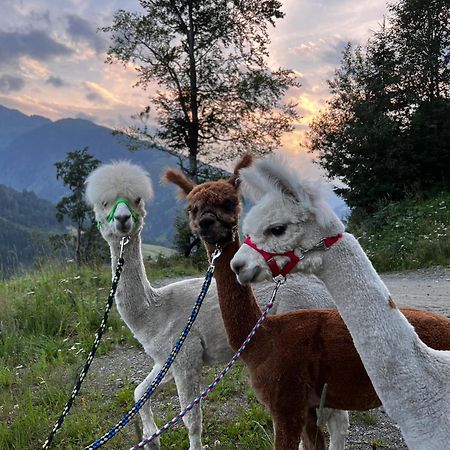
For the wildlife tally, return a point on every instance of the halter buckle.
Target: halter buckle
(279, 279)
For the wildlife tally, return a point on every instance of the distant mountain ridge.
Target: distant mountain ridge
(27, 163)
(30, 145)
(13, 123)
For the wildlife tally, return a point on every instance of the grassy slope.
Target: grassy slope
(48, 320)
(156, 251)
(407, 235)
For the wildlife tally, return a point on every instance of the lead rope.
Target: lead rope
(98, 335)
(279, 281)
(170, 359)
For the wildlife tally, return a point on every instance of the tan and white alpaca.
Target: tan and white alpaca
(293, 354)
(410, 377)
(157, 316)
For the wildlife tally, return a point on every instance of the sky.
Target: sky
(52, 57)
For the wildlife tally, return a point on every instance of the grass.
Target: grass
(48, 320)
(155, 252)
(406, 235)
(47, 323)
(365, 417)
(232, 417)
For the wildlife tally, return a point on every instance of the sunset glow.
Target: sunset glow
(53, 58)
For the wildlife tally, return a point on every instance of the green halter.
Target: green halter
(110, 216)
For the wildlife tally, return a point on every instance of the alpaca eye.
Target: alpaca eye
(194, 210)
(138, 200)
(279, 230)
(228, 205)
(105, 204)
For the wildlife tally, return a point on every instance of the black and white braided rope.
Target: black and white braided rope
(90, 358)
(125, 420)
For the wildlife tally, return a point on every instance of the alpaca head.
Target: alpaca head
(117, 192)
(290, 214)
(214, 206)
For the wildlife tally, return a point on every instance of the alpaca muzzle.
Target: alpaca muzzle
(123, 217)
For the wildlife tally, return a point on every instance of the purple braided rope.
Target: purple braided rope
(218, 378)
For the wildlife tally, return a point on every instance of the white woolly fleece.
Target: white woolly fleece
(273, 176)
(115, 180)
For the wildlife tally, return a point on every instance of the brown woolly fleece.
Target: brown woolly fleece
(293, 354)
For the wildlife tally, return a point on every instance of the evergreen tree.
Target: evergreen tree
(421, 34)
(73, 172)
(385, 132)
(420, 31)
(356, 139)
(217, 97)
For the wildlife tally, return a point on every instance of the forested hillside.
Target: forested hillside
(25, 222)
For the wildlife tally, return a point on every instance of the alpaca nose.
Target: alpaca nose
(206, 221)
(122, 218)
(237, 266)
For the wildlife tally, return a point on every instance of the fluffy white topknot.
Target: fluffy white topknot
(118, 179)
(273, 174)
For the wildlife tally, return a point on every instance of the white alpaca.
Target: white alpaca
(157, 316)
(411, 379)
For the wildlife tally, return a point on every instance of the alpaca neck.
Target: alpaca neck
(395, 359)
(237, 303)
(134, 294)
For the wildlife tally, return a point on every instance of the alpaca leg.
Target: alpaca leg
(312, 436)
(338, 423)
(186, 372)
(146, 413)
(288, 432)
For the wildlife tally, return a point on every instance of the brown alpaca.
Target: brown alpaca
(293, 354)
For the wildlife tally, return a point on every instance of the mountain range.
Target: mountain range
(31, 145)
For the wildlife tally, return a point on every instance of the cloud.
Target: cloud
(333, 54)
(85, 116)
(56, 82)
(326, 49)
(80, 30)
(97, 93)
(35, 44)
(9, 83)
(32, 69)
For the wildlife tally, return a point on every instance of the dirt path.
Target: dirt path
(427, 289)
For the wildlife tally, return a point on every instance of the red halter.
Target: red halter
(324, 244)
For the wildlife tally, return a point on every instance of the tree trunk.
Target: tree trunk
(78, 244)
(194, 126)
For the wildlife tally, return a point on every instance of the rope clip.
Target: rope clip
(217, 252)
(124, 241)
(279, 279)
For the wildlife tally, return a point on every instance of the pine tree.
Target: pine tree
(386, 128)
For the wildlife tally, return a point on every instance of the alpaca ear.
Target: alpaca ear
(176, 177)
(244, 162)
(275, 172)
